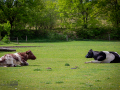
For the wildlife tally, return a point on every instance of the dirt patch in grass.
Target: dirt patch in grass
(18, 46)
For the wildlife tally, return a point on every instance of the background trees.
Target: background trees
(86, 18)
(77, 12)
(110, 9)
(17, 12)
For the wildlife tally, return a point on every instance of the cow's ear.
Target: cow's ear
(91, 50)
(26, 52)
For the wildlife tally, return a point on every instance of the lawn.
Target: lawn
(60, 77)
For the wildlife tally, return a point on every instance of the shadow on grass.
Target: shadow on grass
(34, 65)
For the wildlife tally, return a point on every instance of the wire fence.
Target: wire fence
(26, 39)
(17, 39)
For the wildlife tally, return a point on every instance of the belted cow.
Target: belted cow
(103, 57)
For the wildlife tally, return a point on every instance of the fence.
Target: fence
(25, 39)
(16, 39)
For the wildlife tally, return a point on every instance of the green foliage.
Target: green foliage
(92, 33)
(48, 82)
(18, 66)
(7, 27)
(111, 11)
(37, 35)
(83, 17)
(47, 16)
(56, 36)
(37, 69)
(6, 39)
(58, 82)
(18, 13)
(67, 64)
(75, 13)
(1, 29)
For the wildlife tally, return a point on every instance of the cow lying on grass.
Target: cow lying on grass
(103, 57)
(12, 60)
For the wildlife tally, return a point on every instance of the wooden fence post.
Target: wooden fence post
(109, 36)
(9, 38)
(66, 37)
(26, 38)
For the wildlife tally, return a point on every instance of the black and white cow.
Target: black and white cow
(103, 57)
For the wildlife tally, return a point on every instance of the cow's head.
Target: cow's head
(30, 55)
(90, 54)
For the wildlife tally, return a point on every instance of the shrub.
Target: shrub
(67, 64)
(56, 36)
(6, 39)
(59, 82)
(37, 69)
(48, 82)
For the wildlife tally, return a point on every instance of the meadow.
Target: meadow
(61, 77)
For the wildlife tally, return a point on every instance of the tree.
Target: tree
(110, 9)
(10, 10)
(1, 28)
(51, 13)
(44, 17)
(34, 15)
(76, 13)
(7, 28)
(17, 11)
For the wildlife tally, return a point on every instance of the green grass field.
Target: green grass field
(55, 55)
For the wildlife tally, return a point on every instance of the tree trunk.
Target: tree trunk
(11, 23)
(116, 7)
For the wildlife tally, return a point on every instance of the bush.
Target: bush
(67, 64)
(92, 33)
(84, 33)
(56, 36)
(6, 39)
(37, 69)
(70, 33)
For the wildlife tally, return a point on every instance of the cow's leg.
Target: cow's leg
(16, 63)
(24, 63)
(10, 63)
(95, 61)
